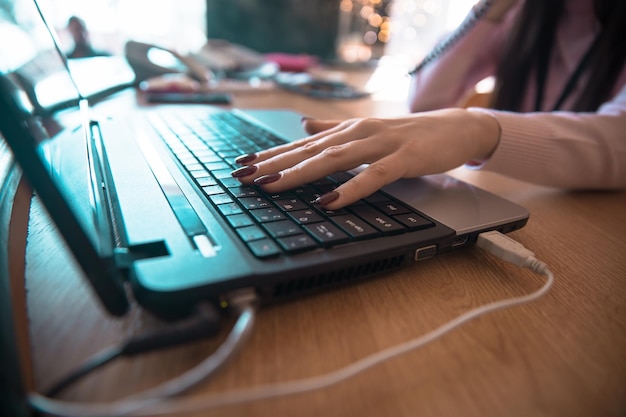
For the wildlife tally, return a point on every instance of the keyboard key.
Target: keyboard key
(229, 182)
(214, 166)
(414, 221)
(267, 215)
(219, 146)
(378, 220)
(264, 248)
(282, 228)
(253, 203)
(391, 208)
(206, 181)
(186, 159)
(213, 189)
(208, 157)
(281, 196)
(229, 154)
(223, 198)
(305, 216)
(222, 173)
(243, 191)
(291, 204)
(193, 165)
(326, 233)
(297, 243)
(239, 220)
(306, 193)
(326, 212)
(323, 182)
(356, 227)
(340, 177)
(199, 173)
(250, 233)
(229, 209)
(376, 198)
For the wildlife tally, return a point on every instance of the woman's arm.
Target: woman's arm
(563, 149)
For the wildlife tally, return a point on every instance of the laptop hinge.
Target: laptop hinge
(100, 182)
(125, 256)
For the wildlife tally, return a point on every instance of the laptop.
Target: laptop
(145, 200)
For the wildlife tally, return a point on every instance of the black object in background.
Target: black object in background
(188, 97)
(305, 84)
(290, 26)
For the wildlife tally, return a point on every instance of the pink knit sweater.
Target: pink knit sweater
(562, 149)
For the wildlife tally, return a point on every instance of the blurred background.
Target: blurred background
(391, 36)
(350, 31)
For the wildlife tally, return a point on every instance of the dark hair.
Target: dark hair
(530, 47)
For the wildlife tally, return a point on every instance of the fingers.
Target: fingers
(337, 147)
(338, 158)
(367, 182)
(311, 162)
(313, 126)
(334, 144)
(322, 128)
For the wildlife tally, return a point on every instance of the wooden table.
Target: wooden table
(564, 355)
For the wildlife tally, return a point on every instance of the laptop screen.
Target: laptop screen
(32, 61)
(47, 97)
(38, 68)
(39, 102)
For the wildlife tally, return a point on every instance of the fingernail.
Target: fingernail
(266, 179)
(244, 171)
(304, 119)
(327, 198)
(245, 159)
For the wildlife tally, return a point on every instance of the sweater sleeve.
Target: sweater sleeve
(445, 81)
(563, 149)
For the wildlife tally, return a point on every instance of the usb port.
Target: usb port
(459, 241)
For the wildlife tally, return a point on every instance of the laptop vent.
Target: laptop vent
(339, 276)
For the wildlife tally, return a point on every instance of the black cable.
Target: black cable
(244, 302)
(96, 361)
(202, 325)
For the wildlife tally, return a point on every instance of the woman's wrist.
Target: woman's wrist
(487, 134)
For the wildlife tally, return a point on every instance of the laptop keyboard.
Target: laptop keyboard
(273, 224)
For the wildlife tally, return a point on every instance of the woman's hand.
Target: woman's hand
(410, 146)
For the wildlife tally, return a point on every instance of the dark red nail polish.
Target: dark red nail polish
(244, 171)
(245, 159)
(266, 179)
(326, 198)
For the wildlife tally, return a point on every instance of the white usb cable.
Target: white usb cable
(494, 242)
